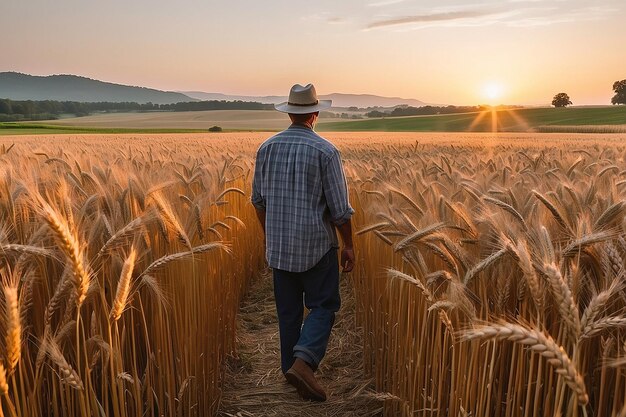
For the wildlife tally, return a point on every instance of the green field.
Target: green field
(13, 128)
(536, 119)
(608, 119)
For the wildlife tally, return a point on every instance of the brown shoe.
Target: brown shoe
(301, 376)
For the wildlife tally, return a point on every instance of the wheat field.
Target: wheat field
(490, 277)
(227, 119)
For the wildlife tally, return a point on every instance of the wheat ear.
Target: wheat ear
(71, 247)
(123, 286)
(508, 208)
(4, 386)
(428, 230)
(67, 373)
(26, 249)
(395, 274)
(483, 265)
(597, 304)
(538, 342)
(372, 227)
(180, 255)
(575, 246)
(606, 323)
(563, 298)
(128, 231)
(553, 209)
(525, 263)
(167, 214)
(610, 214)
(13, 341)
(408, 199)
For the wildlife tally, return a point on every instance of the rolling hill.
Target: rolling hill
(18, 86)
(339, 99)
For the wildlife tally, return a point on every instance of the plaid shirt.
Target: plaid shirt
(300, 183)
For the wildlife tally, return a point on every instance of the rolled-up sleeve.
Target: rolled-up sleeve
(257, 180)
(336, 190)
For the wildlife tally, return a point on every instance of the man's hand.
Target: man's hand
(347, 259)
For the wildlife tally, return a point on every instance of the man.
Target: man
(301, 199)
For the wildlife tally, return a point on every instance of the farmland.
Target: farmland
(596, 119)
(490, 275)
(228, 119)
(548, 120)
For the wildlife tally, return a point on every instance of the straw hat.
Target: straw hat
(303, 100)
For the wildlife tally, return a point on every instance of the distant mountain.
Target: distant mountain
(339, 99)
(17, 86)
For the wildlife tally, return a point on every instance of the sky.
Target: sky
(438, 51)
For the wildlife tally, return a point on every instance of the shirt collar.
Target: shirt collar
(297, 125)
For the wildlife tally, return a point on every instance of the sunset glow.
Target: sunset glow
(436, 51)
(493, 92)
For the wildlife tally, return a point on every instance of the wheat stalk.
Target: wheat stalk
(538, 342)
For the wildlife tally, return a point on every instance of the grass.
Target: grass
(514, 120)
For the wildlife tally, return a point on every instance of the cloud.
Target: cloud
(432, 17)
(518, 13)
(383, 3)
(576, 15)
(336, 20)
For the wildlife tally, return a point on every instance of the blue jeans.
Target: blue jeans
(318, 290)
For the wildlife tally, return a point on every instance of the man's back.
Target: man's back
(299, 181)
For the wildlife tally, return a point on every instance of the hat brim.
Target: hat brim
(289, 108)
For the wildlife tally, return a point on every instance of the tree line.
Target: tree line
(15, 110)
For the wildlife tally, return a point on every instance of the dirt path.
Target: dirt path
(255, 386)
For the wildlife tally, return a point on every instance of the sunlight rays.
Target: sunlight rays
(513, 121)
(519, 120)
(479, 117)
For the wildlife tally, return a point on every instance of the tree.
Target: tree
(5, 106)
(620, 92)
(561, 100)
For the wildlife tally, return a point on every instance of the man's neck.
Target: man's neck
(306, 125)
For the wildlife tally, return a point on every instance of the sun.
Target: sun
(492, 91)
